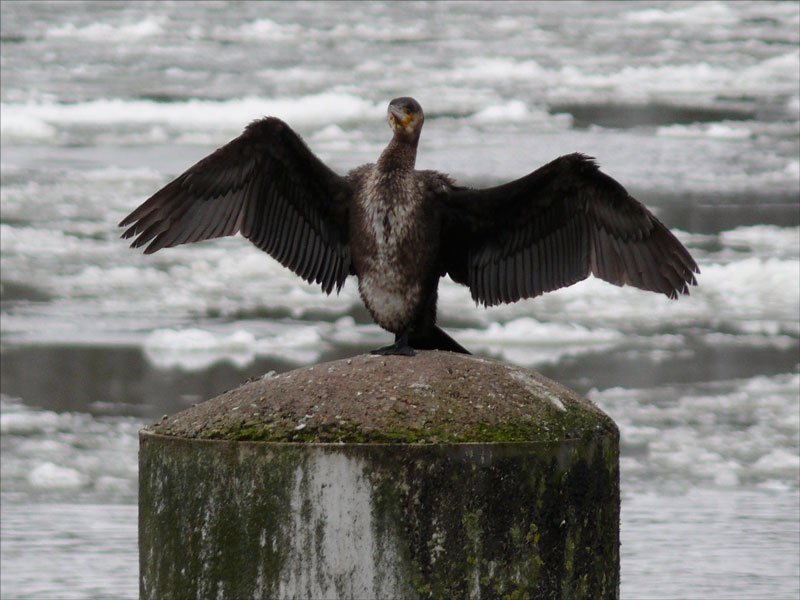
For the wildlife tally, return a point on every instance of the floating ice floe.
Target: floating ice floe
(109, 33)
(62, 452)
(682, 434)
(699, 14)
(194, 349)
(313, 110)
(51, 476)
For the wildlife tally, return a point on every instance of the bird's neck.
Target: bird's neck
(399, 156)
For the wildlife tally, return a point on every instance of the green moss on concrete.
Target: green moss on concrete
(175, 525)
(508, 523)
(563, 426)
(482, 481)
(451, 521)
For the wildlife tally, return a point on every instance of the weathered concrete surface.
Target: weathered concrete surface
(435, 476)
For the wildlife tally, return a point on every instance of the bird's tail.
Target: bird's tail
(433, 338)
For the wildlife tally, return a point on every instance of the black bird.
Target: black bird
(398, 230)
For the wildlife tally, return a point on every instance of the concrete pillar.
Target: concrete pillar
(435, 476)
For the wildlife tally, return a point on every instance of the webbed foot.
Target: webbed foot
(400, 347)
(396, 349)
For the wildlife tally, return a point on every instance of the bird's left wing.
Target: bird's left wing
(267, 185)
(554, 227)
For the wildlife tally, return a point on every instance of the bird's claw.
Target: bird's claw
(395, 350)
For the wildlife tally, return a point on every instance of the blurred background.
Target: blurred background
(693, 106)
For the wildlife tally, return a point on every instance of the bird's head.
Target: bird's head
(405, 117)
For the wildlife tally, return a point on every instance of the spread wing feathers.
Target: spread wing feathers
(265, 184)
(553, 228)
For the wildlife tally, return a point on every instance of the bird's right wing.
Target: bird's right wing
(265, 184)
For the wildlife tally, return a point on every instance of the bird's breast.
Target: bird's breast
(392, 220)
(394, 243)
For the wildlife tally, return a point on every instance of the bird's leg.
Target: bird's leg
(400, 346)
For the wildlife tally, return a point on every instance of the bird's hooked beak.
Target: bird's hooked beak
(399, 117)
(405, 118)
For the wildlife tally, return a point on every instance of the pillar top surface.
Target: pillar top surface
(434, 397)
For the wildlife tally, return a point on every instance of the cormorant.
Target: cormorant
(398, 230)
